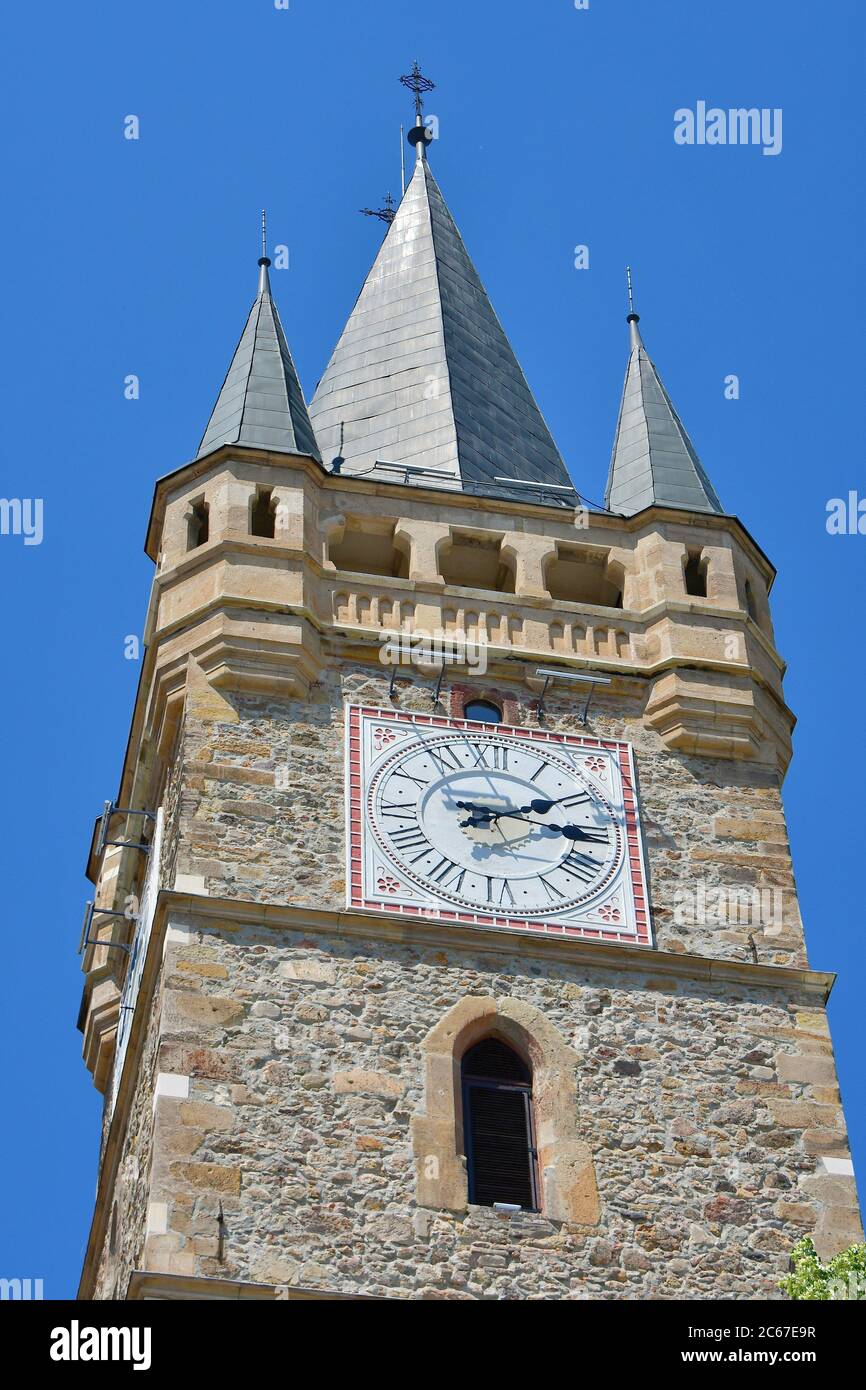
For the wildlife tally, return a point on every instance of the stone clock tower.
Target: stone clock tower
(445, 940)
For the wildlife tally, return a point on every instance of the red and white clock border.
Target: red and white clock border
(376, 883)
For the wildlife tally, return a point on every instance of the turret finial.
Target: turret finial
(264, 260)
(633, 319)
(419, 85)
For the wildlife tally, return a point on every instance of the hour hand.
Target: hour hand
(578, 832)
(486, 812)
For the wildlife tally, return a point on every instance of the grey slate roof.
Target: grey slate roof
(423, 373)
(261, 402)
(653, 459)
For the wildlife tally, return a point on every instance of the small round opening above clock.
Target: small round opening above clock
(484, 711)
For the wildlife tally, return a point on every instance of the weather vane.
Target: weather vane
(420, 85)
(630, 290)
(386, 213)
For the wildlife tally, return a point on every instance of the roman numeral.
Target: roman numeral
(506, 898)
(553, 893)
(409, 838)
(445, 759)
(443, 871)
(419, 782)
(538, 771)
(499, 757)
(394, 808)
(580, 866)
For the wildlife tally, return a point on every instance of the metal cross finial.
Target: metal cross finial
(264, 234)
(386, 213)
(420, 85)
(630, 290)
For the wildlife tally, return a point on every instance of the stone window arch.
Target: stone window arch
(567, 1189)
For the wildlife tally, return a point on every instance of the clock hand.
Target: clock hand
(516, 812)
(540, 806)
(484, 816)
(577, 832)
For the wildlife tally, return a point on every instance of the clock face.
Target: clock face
(493, 825)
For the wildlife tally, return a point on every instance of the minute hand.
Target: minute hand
(484, 815)
(539, 806)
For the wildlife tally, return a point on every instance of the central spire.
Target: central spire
(423, 377)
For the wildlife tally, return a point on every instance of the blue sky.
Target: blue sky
(556, 129)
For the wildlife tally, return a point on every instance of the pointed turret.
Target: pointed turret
(653, 461)
(423, 374)
(261, 402)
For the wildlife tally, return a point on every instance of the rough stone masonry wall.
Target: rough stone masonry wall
(707, 1113)
(126, 1219)
(261, 813)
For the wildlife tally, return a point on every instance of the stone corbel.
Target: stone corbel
(529, 556)
(331, 528)
(288, 504)
(706, 714)
(424, 540)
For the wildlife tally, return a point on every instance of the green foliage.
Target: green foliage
(843, 1277)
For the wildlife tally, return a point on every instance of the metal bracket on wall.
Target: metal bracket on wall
(111, 809)
(90, 911)
(575, 677)
(438, 690)
(392, 686)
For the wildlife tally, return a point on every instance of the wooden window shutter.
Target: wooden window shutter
(497, 1110)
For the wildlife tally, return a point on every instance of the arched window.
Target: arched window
(484, 711)
(497, 1127)
(263, 513)
(695, 572)
(198, 524)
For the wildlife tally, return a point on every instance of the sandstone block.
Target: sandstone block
(800, 1213)
(768, 831)
(801, 1115)
(813, 1022)
(214, 1177)
(320, 972)
(372, 1083)
(204, 1115)
(194, 1012)
(838, 1227)
(830, 1189)
(808, 1069)
(205, 969)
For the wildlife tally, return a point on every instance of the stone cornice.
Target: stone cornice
(532, 945)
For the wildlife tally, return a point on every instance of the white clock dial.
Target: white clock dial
(488, 822)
